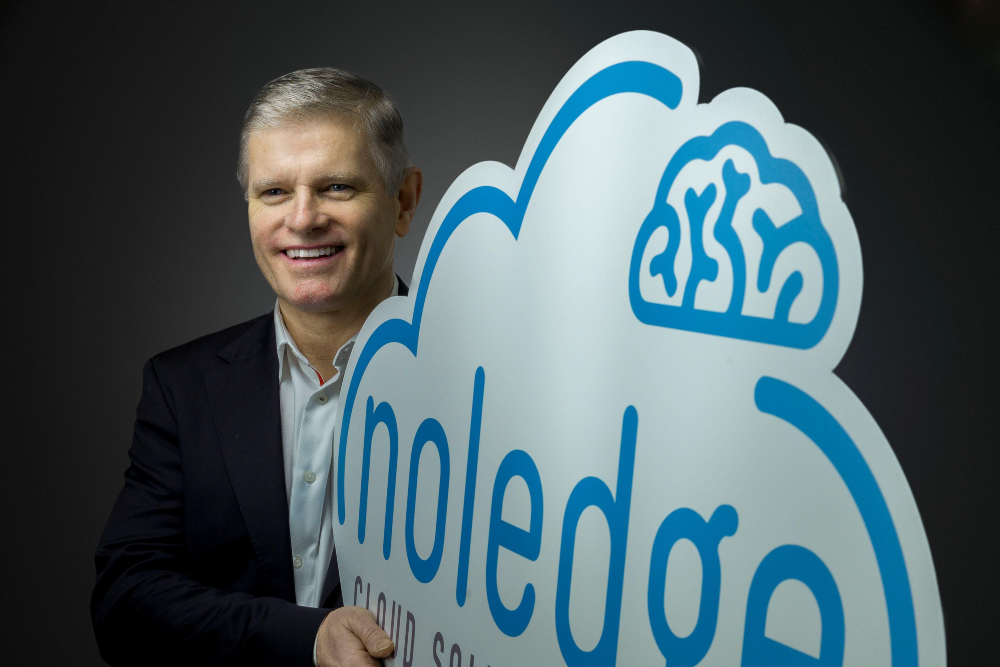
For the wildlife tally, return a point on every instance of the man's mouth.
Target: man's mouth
(312, 253)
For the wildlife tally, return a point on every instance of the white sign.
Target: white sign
(604, 427)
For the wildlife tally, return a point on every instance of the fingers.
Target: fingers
(364, 627)
(350, 637)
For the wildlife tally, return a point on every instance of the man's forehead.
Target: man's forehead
(332, 145)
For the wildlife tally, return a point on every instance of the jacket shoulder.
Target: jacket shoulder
(203, 352)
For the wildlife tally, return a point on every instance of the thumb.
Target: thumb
(376, 641)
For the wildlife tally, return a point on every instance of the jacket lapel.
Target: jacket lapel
(243, 397)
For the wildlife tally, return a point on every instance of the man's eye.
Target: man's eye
(273, 192)
(338, 187)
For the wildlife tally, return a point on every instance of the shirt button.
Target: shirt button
(321, 398)
(296, 562)
(310, 477)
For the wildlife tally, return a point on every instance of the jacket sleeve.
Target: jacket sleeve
(146, 607)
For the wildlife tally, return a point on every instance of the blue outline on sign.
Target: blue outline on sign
(772, 396)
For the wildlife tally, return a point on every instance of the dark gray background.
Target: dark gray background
(125, 232)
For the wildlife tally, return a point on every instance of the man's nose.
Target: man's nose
(305, 215)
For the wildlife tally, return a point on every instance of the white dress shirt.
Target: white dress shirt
(308, 415)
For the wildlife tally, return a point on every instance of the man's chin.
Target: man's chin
(314, 301)
(313, 305)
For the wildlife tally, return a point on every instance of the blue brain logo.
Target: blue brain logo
(806, 228)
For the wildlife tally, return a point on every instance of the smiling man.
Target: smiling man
(220, 548)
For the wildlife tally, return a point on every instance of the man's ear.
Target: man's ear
(408, 198)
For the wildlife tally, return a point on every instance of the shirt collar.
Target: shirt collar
(284, 341)
(286, 344)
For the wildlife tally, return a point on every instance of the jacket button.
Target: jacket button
(310, 477)
(296, 562)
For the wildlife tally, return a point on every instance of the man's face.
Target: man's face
(321, 223)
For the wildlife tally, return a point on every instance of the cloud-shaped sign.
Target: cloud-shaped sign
(604, 426)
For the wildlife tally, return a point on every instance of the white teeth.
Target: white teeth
(294, 253)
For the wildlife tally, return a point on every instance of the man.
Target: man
(220, 547)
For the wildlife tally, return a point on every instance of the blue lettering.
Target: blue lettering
(430, 430)
(471, 467)
(526, 543)
(687, 524)
(594, 492)
(383, 414)
(785, 562)
(793, 562)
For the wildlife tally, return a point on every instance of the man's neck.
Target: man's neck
(320, 335)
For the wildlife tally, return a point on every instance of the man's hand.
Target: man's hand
(350, 637)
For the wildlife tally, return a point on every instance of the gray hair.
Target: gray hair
(322, 92)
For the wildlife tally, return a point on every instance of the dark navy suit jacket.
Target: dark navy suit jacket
(195, 563)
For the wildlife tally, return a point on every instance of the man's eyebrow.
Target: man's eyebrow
(343, 177)
(265, 184)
